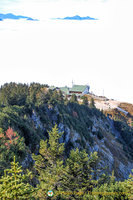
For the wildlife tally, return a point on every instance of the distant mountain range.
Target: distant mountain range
(77, 17)
(15, 17)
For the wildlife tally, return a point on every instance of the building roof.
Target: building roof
(65, 90)
(78, 88)
(75, 88)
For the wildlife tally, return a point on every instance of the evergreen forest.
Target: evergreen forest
(39, 160)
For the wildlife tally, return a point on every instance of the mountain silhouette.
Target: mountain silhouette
(77, 17)
(16, 17)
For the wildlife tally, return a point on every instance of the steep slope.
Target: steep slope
(33, 110)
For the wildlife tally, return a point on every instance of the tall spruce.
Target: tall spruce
(92, 103)
(13, 184)
(84, 100)
(79, 177)
(111, 190)
(73, 99)
(49, 165)
(128, 185)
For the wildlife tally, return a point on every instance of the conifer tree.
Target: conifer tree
(13, 184)
(92, 103)
(111, 190)
(128, 185)
(66, 100)
(49, 164)
(79, 176)
(85, 100)
(60, 97)
(73, 99)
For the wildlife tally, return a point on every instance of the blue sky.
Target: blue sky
(95, 52)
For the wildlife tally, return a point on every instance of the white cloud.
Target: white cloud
(55, 52)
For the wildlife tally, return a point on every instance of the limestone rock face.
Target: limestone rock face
(36, 120)
(105, 140)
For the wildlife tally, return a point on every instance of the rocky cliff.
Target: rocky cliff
(95, 132)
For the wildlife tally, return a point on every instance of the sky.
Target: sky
(57, 52)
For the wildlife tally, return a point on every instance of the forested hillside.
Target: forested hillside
(67, 145)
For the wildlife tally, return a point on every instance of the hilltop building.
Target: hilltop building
(78, 90)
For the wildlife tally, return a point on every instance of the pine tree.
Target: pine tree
(49, 164)
(128, 185)
(66, 100)
(85, 100)
(111, 190)
(73, 99)
(92, 103)
(79, 176)
(13, 184)
(60, 97)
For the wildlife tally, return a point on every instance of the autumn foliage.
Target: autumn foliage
(9, 138)
(11, 144)
(10, 134)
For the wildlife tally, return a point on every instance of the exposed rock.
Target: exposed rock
(109, 149)
(67, 135)
(36, 120)
(27, 161)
